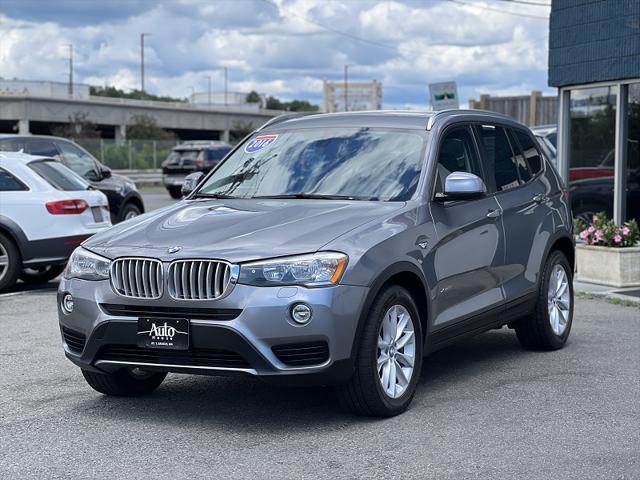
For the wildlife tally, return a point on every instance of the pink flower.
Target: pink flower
(599, 234)
(595, 218)
(591, 229)
(617, 239)
(625, 230)
(584, 234)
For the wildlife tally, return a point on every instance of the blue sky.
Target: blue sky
(283, 48)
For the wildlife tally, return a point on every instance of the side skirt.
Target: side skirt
(493, 318)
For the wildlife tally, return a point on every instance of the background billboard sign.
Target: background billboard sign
(444, 95)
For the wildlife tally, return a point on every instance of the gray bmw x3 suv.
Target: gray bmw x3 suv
(333, 249)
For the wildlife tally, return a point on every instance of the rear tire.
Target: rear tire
(175, 192)
(546, 329)
(365, 394)
(43, 275)
(9, 263)
(123, 382)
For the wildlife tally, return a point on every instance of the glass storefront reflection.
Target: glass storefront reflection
(591, 173)
(633, 153)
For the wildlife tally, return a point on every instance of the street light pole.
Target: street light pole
(142, 35)
(70, 69)
(346, 88)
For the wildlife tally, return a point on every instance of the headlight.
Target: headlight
(87, 265)
(315, 270)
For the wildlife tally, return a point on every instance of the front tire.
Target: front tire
(389, 357)
(41, 275)
(129, 211)
(123, 382)
(549, 326)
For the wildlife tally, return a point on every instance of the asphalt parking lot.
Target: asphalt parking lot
(484, 409)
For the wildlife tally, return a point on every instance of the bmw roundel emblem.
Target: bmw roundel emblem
(174, 249)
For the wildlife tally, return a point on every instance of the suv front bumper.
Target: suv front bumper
(243, 333)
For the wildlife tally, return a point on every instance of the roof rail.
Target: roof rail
(488, 113)
(283, 118)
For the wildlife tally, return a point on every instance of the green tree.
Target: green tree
(144, 127)
(134, 94)
(253, 97)
(239, 130)
(79, 126)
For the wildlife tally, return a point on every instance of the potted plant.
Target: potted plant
(607, 253)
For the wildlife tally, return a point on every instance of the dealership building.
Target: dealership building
(594, 61)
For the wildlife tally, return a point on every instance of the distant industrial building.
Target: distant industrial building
(535, 109)
(352, 96)
(35, 107)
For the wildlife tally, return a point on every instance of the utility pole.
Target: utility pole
(209, 90)
(70, 69)
(346, 88)
(226, 88)
(142, 35)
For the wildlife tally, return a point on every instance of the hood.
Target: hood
(237, 230)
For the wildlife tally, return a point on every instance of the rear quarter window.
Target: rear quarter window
(9, 183)
(530, 152)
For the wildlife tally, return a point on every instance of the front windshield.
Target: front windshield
(359, 163)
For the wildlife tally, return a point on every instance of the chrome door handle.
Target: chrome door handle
(494, 213)
(540, 198)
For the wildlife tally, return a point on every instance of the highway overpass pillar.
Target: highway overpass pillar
(225, 136)
(23, 127)
(120, 134)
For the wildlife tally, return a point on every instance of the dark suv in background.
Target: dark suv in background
(190, 157)
(125, 201)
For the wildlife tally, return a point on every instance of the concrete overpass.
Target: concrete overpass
(32, 114)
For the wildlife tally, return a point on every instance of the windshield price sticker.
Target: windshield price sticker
(259, 143)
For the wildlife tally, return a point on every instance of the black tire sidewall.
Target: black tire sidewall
(43, 277)
(556, 258)
(13, 266)
(394, 295)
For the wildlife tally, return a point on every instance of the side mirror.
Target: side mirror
(191, 181)
(105, 172)
(463, 186)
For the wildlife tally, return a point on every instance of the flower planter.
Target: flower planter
(617, 267)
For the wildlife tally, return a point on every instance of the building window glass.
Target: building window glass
(633, 153)
(591, 169)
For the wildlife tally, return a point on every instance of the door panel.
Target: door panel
(466, 259)
(470, 245)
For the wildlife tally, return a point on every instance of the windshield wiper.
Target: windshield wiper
(316, 196)
(214, 195)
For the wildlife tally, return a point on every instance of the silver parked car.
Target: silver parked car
(335, 249)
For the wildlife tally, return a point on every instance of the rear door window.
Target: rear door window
(217, 153)
(9, 183)
(500, 162)
(59, 176)
(529, 150)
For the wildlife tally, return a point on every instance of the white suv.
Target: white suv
(46, 211)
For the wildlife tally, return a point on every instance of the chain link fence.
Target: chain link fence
(130, 155)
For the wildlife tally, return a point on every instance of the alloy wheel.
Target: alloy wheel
(559, 300)
(396, 351)
(4, 261)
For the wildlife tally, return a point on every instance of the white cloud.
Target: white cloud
(282, 47)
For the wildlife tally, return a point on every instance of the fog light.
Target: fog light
(67, 303)
(301, 313)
